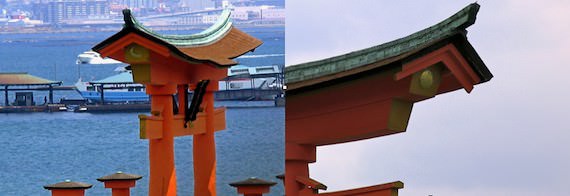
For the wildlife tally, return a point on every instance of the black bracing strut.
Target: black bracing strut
(194, 107)
(175, 105)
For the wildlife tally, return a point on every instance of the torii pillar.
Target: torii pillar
(370, 93)
(168, 65)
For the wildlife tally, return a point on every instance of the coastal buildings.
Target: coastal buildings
(140, 4)
(106, 13)
(258, 13)
(194, 5)
(55, 12)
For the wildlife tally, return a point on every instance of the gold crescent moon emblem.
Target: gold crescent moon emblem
(134, 53)
(426, 79)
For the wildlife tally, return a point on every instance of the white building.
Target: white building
(195, 5)
(209, 19)
(259, 12)
(240, 15)
(149, 4)
(277, 13)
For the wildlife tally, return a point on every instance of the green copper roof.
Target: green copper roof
(450, 26)
(211, 34)
(15, 79)
(218, 45)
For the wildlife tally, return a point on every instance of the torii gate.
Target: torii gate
(370, 93)
(173, 64)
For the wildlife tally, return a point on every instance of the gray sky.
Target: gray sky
(510, 136)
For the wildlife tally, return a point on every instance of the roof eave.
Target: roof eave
(131, 26)
(450, 26)
(459, 40)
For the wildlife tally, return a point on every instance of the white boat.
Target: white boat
(243, 77)
(92, 57)
(117, 89)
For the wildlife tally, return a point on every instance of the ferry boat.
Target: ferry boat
(244, 77)
(120, 88)
(92, 57)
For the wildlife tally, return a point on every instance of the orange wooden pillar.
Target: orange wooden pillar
(161, 151)
(68, 188)
(120, 183)
(253, 186)
(297, 159)
(204, 149)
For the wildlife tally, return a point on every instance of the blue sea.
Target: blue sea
(45, 148)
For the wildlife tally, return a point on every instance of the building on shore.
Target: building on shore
(194, 5)
(61, 14)
(57, 12)
(141, 4)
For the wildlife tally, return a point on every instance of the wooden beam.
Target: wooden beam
(151, 126)
(351, 124)
(451, 59)
(388, 189)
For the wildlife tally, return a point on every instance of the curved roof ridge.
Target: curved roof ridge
(209, 35)
(452, 25)
(217, 45)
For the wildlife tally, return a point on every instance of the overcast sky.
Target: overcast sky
(510, 136)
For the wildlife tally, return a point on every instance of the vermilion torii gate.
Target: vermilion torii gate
(370, 93)
(173, 64)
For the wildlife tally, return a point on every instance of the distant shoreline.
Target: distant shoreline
(37, 30)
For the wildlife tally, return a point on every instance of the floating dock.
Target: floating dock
(113, 108)
(25, 109)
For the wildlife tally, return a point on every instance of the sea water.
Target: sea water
(37, 149)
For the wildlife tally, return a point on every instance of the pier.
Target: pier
(101, 101)
(27, 84)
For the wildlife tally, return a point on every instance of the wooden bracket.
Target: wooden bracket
(151, 127)
(451, 58)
